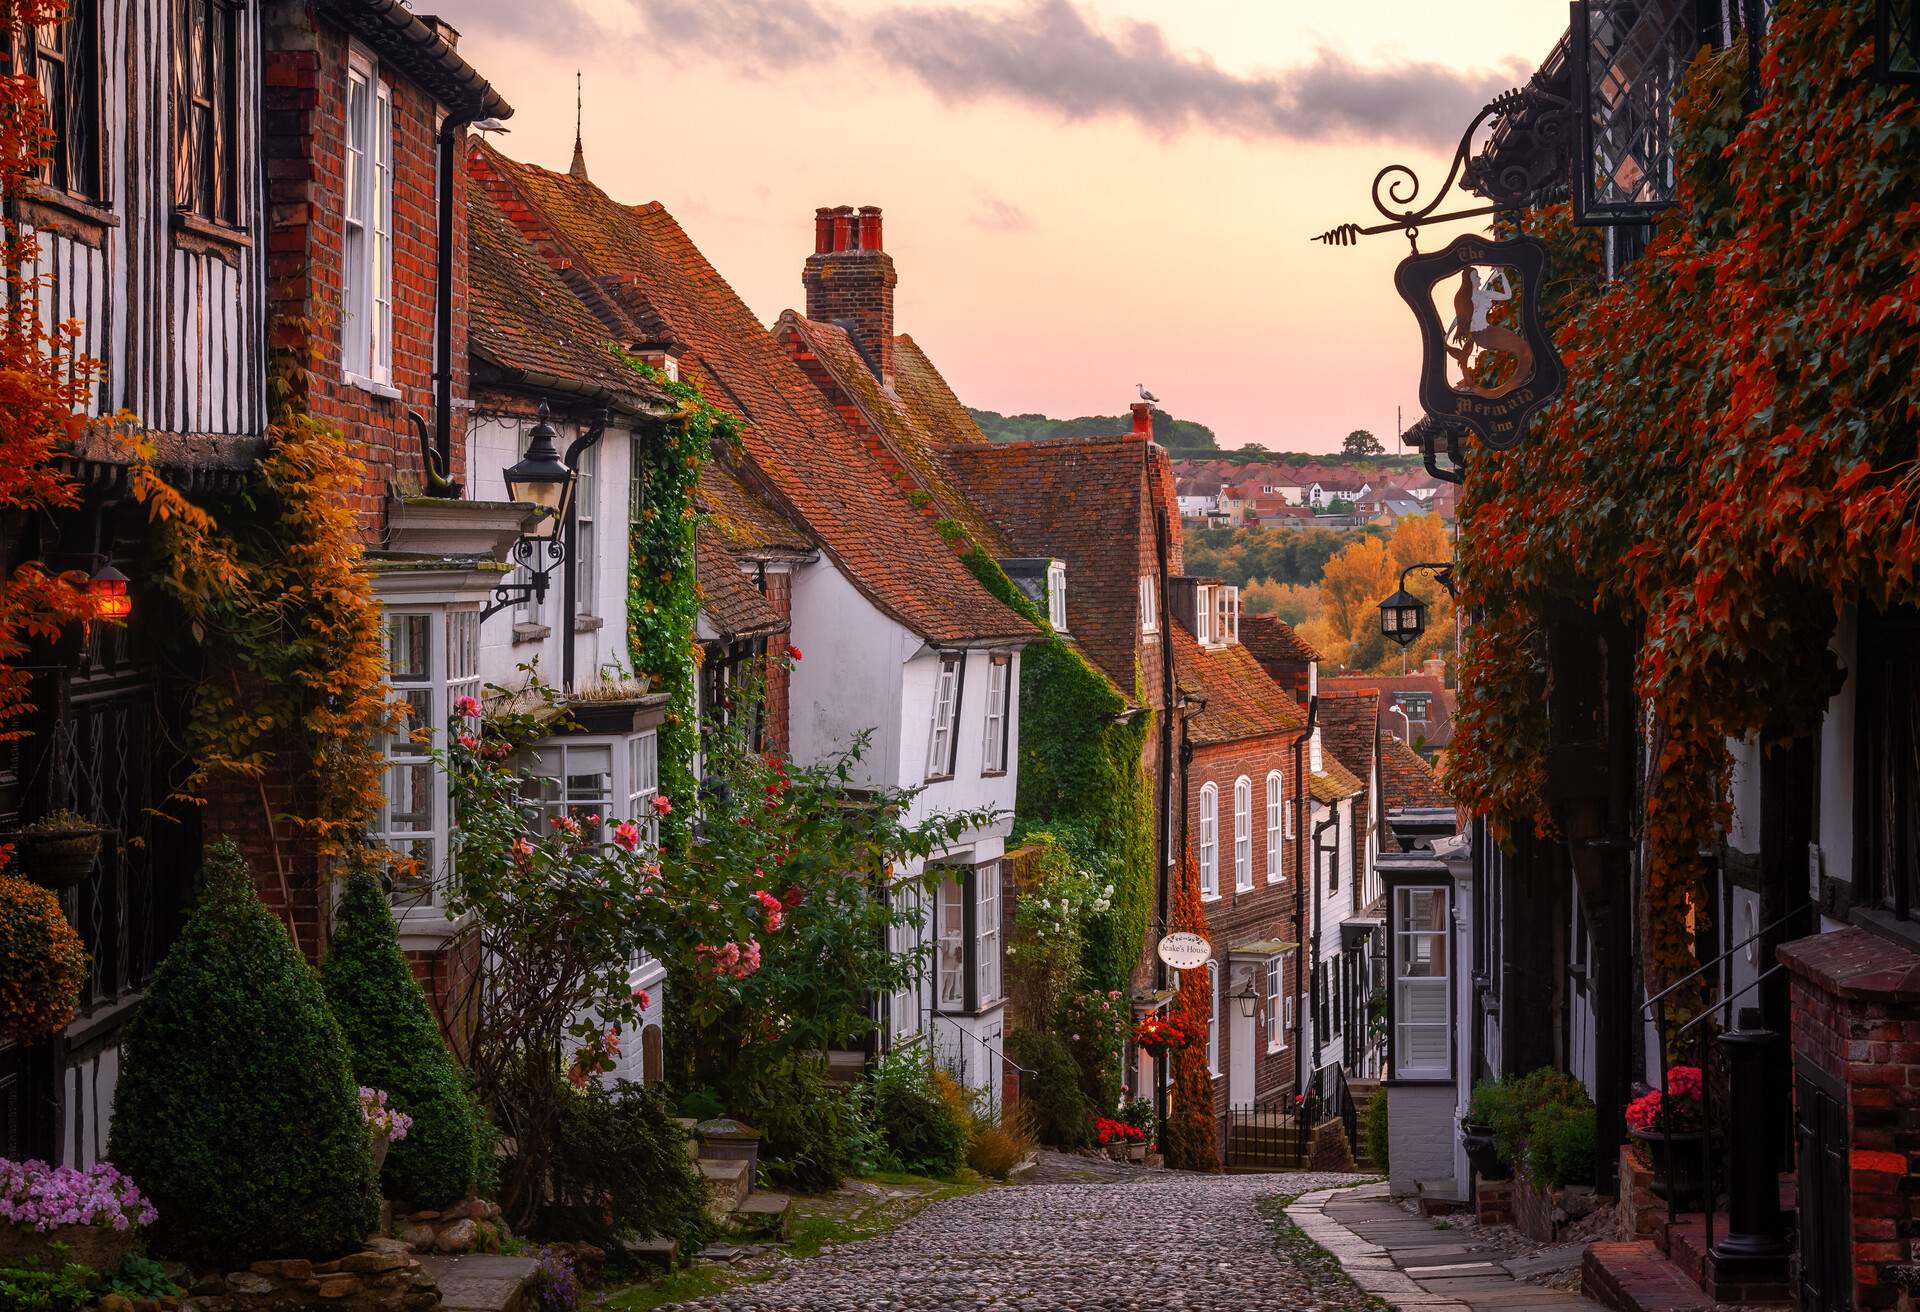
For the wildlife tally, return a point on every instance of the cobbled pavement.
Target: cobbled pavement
(1165, 1240)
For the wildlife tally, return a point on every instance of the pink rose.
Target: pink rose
(466, 706)
(642, 999)
(468, 741)
(627, 835)
(662, 806)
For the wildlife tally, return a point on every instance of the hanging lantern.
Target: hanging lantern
(107, 590)
(1628, 58)
(541, 479)
(1896, 41)
(1403, 618)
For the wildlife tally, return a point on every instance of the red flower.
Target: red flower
(793, 652)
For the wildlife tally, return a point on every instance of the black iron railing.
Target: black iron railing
(1276, 1137)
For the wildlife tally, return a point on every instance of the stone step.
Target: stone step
(763, 1216)
(1637, 1277)
(481, 1282)
(654, 1252)
(729, 1184)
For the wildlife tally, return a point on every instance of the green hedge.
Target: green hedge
(237, 1111)
(1061, 1113)
(395, 1045)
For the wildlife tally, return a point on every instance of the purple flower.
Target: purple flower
(45, 1198)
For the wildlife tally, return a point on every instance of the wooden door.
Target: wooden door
(1825, 1254)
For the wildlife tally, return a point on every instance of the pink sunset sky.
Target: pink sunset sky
(1079, 194)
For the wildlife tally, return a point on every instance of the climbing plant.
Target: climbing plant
(662, 601)
(1733, 462)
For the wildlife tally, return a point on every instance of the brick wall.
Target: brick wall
(305, 75)
(850, 277)
(1267, 911)
(1856, 1017)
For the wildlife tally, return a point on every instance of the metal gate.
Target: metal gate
(1825, 1256)
(1265, 1139)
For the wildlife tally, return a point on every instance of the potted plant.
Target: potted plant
(1120, 1138)
(58, 851)
(1138, 1112)
(1158, 1034)
(386, 1125)
(43, 965)
(93, 1216)
(1672, 1131)
(1477, 1134)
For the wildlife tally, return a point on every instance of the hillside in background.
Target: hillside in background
(1180, 436)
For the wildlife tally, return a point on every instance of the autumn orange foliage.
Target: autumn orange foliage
(1189, 1138)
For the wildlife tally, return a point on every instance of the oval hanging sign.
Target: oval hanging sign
(1184, 951)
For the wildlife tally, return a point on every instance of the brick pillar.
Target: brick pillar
(1856, 1051)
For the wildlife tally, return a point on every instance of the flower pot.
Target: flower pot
(99, 1246)
(377, 1138)
(1678, 1164)
(1117, 1151)
(61, 859)
(1136, 1152)
(1477, 1139)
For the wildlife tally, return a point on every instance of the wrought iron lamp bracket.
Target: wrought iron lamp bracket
(1531, 162)
(1442, 574)
(527, 551)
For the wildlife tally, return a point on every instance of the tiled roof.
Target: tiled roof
(1242, 702)
(1084, 501)
(732, 604)
(750, 525)
(933, 403)
(813, 466)
(524, 320)
(1271, 638)
(1407, 780)
(1334, 781)
(1350, 729)
(1438, 729)
(849, 380)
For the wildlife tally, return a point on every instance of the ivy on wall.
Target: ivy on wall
(1733, 462)
(662, 601)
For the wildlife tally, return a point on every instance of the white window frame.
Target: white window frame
(1276, 825)
(1214, 979)
(583, 551)
(1149, 605)
(1057, 596)
(941, 744)
(1203, 614)
(1242, 835)
(1276, 1004)
(993, 747)
(986, 935)
(366, 281)
(1226, 626)
(903, 940)
(950, 941)
(551, 770)
(643, 783)
(1434, 986)
(1209, 842)
(449, 670)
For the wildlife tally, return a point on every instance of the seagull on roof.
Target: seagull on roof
(1145, 395)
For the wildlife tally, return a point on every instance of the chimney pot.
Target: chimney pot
(870, 228)
(843, 228)
(822, 230)
(1143, 419)
(854, 293)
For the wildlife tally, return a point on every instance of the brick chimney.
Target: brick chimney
(1143, 421)
(1434, 667)
(849, 280)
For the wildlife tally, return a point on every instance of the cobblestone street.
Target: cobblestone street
(1159, 1240)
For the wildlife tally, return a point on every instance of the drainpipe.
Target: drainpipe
(440, 481)
(1299, 871)
(1313, 946)
(1161, 549)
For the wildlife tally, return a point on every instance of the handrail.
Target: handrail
(1646, 1008)
(928, 1014)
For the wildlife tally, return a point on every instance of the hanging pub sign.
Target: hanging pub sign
(1486, 360)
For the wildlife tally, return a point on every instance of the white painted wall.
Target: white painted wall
(850, 677)
(1836, 766)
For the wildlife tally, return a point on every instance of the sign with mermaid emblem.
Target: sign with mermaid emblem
(1487, 362)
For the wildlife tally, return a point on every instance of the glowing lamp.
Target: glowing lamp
(107, 590)
(541, 479)
(1403, 618)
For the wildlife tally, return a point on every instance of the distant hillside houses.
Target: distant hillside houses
(1296, 495)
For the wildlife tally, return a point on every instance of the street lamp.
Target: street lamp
(1248, 999)
(1403, 616)
(542, 480)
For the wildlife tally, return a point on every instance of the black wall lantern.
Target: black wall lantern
(1896, 41)
(541, 479)
(1627, 58)
(1403, 616)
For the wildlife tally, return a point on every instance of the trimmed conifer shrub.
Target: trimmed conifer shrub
(237, 1111)
(394, 1043)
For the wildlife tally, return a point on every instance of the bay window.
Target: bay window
(569, 779)
(942, 743)
(433, 660)
(1209, 842)
(1242, 835)
(366, 280)
(993, 758)
(1276, 823)
(967, 938)
(643, 783)
(1422, 1034)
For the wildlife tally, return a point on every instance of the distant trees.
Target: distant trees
(1180, 436)
(1345, 627)
(1362, 443)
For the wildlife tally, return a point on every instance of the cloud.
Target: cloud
(563, 26)
(998, 215)
(759, 34)
(1048, 55)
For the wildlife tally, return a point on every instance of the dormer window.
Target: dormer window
(1057, 596)
(1226, 614)
(1203, 615)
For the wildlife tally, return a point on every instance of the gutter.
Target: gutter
(1161, 549)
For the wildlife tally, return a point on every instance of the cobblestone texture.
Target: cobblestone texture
(1163, 1240)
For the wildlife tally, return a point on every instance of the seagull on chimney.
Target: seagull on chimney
(1147, 396)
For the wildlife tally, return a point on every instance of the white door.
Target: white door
(1240, 1060)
